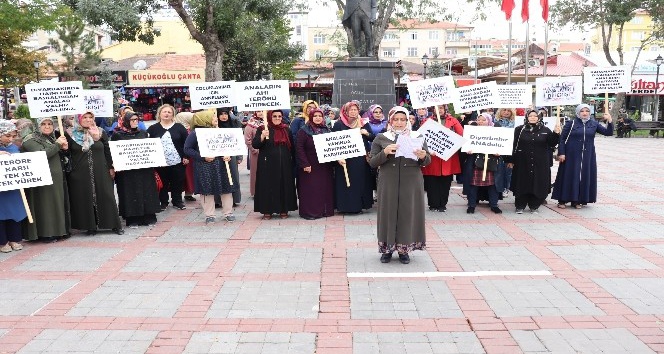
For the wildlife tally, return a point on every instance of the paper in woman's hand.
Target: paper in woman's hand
(407, 146)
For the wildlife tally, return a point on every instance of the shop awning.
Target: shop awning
(155, 85)
(460, 65)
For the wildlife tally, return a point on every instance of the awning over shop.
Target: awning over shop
(460, 65)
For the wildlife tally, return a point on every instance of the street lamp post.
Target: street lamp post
(5, 104)
(658, 61)
(425, 61)
(36, 64)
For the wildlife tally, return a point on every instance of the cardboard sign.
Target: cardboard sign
(100, 102)
(26, 170)
(213, 142)
(549, 122)
(488, 140)
(339, 145)
(138, 153)
(48, 99)
(211, 95)
(559, 91)
(431, 92)
(441, 140)
(262, 95)
(515, 96)
(609, 79)
(476, 97)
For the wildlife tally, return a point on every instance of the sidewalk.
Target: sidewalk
(561, 281)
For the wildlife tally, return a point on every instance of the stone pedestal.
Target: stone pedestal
(366, 80)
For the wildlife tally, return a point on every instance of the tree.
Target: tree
(78, 48)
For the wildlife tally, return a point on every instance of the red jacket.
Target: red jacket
(438, 166)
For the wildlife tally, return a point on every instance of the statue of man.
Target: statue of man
(359, 15)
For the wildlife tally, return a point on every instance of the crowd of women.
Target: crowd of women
(285, 174)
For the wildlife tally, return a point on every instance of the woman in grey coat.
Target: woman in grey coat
(400, 190)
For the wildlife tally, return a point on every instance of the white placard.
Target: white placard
(612, 79)
(559, 91)
(406, 146)
(515, 96)
(549, 122)
(488, 140)
(262, 95)
(431, 92)
(100, 102)
(48, 99)
(213, 142)
(25, 170)
(476, 97)
(211, 94)
(441, 140)
(137, 153)
(335, 146)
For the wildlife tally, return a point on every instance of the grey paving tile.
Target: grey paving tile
(266, 299)
(69, 259)
(134, 298)
(497, 259)
(108, 236)
(289, 233)
(6, 256)
(558, 231)
(604, 211)
(543, 213)
(618, 340)
(471, 232)
(416, 343)
(254, 342)
(276, 260)
(24, 297)
(600, 257)
(633, 196)
(633, 230)
(409, 299)
(455, 212)
(59, 341)
(363, 260)
(216, 233)
(172, 260)
(360, 233)
(655, 209)
(643, 295)
(659, 249)
(535, 297)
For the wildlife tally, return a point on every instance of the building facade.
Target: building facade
(634, 32)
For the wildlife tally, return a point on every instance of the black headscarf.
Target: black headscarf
(230, 123)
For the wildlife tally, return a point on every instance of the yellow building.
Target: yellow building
(634, 32)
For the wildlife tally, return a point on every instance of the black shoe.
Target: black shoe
(433, 209)
(386, 257)
(189, 198)
(496, 210)
(179, 206)
(404, 258)
(48, 239)
(91, 232)
(118, 231)
(164, 206)
(217, 206)
(470, 210)
(235, 204)
(442, 209)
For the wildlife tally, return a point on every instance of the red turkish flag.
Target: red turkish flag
(545, 10)
(524, 10)
(508, 7)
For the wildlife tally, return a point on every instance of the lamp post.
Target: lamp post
(5, 104)
(425, 61)
(36, 64)
(658, 61)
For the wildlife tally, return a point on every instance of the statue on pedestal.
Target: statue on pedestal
(359, 15)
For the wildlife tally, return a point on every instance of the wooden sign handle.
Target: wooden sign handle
(265, 123)
(486, 163)
(438, 114)
(62, 130)
(346, 175)
(26, 206)
(228, 171)
(606, 102)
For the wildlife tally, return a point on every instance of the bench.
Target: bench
(648, 125)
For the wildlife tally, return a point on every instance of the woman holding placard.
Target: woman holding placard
(400, 190)
(226, 121)
(12, 209)
(49, 204)
(576, 181)
(475, 166)
(91, 178)
(255, 122)
(138, 199)
(315, 186)
(210, 172)
(275, 183)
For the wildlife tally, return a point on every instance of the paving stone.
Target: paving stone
(659, 249)
(275, 260)
(455, 212)
(134, 298)
(604, 211)
(24, 297)
(6, 256)
(360, 233)
(535, 297)
(214, 233)
(172, 260)
(497, 259)
(472, 232)
(600, 257)
(558, 231)
(543, 213)
(289, 233)
(633, 196)
(616, 340)
(643, 295)
(58, 341)
(633, 230)
(653, 208)
(408, 299)
(266, 299)
(416, 343)
(108, 236)
(69, 259)
(254, 342)
(367, 260)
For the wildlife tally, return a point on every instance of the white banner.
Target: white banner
(476, 97)
(549, 122)
(100, 102)
(262, 95)
(48, 99)
(211, 95)
(441, 140)
(488, 140)
(213, 142)
(515, 96)
(339, 145)
(612, 79)
(431, 92)
(137, 153)
(559, 91)
(25, 170)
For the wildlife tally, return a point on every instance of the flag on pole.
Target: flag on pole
(507, 7)
(525, 15)
(545, 10)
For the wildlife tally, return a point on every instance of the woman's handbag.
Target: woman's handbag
(492, 164)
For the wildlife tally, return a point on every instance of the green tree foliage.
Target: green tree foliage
(78, 48)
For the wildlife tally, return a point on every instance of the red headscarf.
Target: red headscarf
(280, 131)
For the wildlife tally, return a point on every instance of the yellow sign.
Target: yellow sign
(156, 77)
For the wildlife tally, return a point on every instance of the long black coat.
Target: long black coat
(531, 157)
(360, 193)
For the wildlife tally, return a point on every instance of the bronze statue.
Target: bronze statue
(359, 15)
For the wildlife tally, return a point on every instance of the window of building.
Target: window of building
(389, 52)
(654, 48)
(433, 51)
(451, 51)
(294, 16)
(412, 51)
(637, 20)
(319, 38)
(455, 35)
(318, 54)
(635, 49)
(413, 35)
(390, 36)
(433, 35)
(298, 30)
(637, 35)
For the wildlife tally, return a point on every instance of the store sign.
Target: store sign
(119, 78)
(155, 77)
(644, 85)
